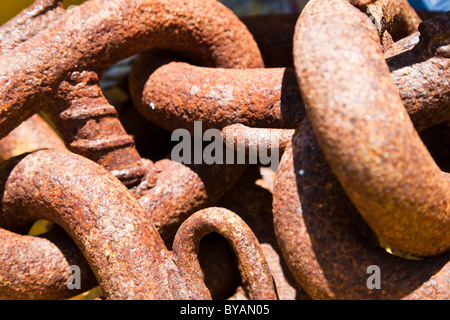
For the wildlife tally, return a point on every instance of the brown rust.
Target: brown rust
(255, 140)
(127, 256)
(29, 22)
(253, 204)
(434, 37)
(183, 189)
(35, 268)
(274, 32)
(323, 240)
(90, 127)
(177, 175)
(85, 200)
(173, 95)
(79, 109)
(425, 94)
(365, 131)
(88, 123)
(395, 17)
(31, 135)
(110, 31)
(246, 246)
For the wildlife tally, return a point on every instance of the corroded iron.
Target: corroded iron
(31, 135)
(36, 268)
(85, 200)
(174, 94)
(84, 43)
(50, 276)
(253, 203)
(365, 131)
(136, 225)
(395, 20)
(327, 245)
(251, 257)
(90, 125)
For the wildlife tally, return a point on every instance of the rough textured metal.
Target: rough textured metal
(35, 268)
(428, 82)
(273, 33)
(183, 189)
(167, 223)
(253, 204)
(256, 140)
(327, 245)
(246, 246)
(127, 256)
(173, 95)
(85, 200)
(90, 127)
(31, 135)
(110, 31)
(89, 123)
(395, 17)
(29, 22)
(365, 130)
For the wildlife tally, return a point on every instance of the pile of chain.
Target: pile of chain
(355, 92)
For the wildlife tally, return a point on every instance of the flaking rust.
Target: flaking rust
(388, 173)
(345, 112)
(127, 256)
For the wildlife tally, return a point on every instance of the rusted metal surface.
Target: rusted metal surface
(161, 211)
(388, 173)
(124, 212)
(427, 84)
(180, 191)
(85, 200)
(183, 189)
(80, 44)
(327, 245)
(395, 17)
(246, 246)
(255, 140)
(89, 123)
(434, 35)
(90, 127)
(174, 94)
(253, 204)
(29, 22)
(31, 135)
(273, 33)
(35, 268)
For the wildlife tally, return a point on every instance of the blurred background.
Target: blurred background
(9, 9)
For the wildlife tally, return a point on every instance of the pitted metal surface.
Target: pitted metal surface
(353, 98)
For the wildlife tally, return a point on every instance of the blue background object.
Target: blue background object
(431, 5)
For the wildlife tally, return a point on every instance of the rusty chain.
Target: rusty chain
(353, 111)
